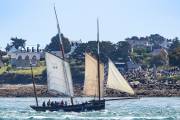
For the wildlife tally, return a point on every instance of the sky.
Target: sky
(34, 20)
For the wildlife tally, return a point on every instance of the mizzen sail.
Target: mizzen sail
(56, 78)
(116, 80)
(91, 77)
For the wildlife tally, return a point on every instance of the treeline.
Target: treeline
(116, 51)
(55, 44)
(154, 39)
(174, 53)
(121, 50)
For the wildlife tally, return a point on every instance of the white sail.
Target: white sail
(58, 75)
(91, 77)
(116, 80)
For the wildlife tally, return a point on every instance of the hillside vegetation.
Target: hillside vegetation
(36, 70)
(3, 69)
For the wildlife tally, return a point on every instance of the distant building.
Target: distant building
(121, 66)
(156, 52)
(143, 43)
(165, 44)
(24, 58)
(131, 66)
(139, 43)
(161, 51)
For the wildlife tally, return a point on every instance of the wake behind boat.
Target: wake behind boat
(59, 80)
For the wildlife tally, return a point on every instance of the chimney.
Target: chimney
(27, 49)
(32, 49)
(38, 47)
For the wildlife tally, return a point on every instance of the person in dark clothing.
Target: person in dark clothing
(48, 103)
(65, 103)
(52, 104)
(62, 103)
(56, 104)
(44, 104)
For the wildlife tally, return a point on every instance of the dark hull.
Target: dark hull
(89, 106)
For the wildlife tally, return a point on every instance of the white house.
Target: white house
(138, 43)
(23, 58)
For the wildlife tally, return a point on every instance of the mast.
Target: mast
(62, 51)
(59, 34)
(98, 60)
(34, 85)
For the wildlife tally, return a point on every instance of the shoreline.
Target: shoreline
(26, 90)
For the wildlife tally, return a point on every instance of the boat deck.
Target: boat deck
(87, 106)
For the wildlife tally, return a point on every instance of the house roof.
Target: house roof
(158, 51)
(13, 49)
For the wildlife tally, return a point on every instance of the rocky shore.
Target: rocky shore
(7, 90)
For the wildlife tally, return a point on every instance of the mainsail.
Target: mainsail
(56, 78)
(91, 77)
(116, 80)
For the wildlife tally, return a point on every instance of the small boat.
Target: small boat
(59, 80)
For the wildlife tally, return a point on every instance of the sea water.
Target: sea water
(148, 108)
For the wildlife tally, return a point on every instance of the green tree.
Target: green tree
(156, 39)
(107, 48)
(2, 53)
(140, 51)
(8, 47)
(174, 53)
(54, 45)
(122, 50)
(174, 57)
(91, 47)
(80, 50)
(16, 42)
(132, 38)
(175, 44)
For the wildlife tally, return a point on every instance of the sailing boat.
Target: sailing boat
(60, 80)
(116, 80)
(94, 76)
(57, 83)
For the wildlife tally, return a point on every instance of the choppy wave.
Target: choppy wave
(143, 109)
